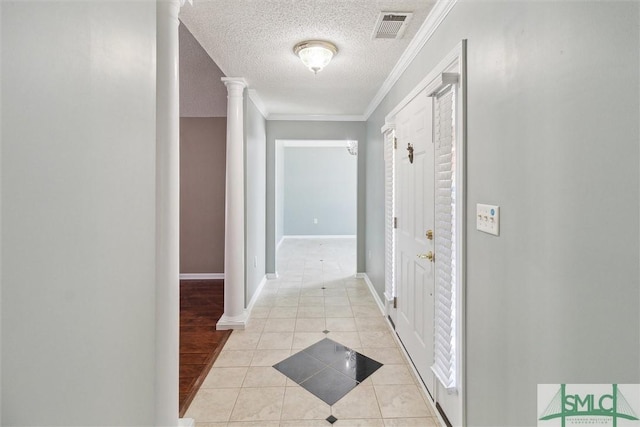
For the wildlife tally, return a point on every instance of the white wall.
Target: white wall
(78, 212)
(279, 192)
(553, 137)
(255, 196)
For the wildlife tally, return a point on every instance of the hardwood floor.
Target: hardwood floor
(201, 305)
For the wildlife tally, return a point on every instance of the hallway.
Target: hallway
(315, 297)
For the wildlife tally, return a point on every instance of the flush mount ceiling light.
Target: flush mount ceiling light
(315, 54)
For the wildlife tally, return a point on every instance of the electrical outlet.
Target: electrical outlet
(488, 219)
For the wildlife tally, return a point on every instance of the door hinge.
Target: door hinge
(395, 142)
(395, 222)
(395, 302)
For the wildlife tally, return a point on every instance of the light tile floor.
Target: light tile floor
(316, 291)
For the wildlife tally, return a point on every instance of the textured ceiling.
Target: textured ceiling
(202, 93)
(254, 39)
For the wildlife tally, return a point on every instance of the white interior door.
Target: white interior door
(415, 213)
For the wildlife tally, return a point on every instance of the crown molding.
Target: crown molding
(318, 117)
(428, 28)
(315, 143)
(257, 101)
(433, 80)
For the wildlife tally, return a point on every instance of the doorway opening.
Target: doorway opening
(316, 196)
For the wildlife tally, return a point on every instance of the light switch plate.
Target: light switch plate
(488, 219)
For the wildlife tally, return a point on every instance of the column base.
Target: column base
(235, 322)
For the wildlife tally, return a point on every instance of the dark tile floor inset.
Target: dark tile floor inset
(328, 351)
(329, 385)
(301, 367)
(356, 366)
(328, 369)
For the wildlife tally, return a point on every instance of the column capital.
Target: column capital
(169, 10)
(234, 82)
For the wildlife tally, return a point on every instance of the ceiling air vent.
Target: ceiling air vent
(391, 25)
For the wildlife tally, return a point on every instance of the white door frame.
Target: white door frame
(454, 62)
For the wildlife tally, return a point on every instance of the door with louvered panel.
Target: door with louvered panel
(446, 249)
(414, 164)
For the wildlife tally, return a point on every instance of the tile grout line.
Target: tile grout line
(233, 407)
(300, 282)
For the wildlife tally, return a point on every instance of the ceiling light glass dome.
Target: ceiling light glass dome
(315, 54)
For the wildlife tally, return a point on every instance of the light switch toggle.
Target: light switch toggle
(488, 219)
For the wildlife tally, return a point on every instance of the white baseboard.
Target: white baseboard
(388, 297)
(373, 291)
(240, 322)
(279, 243)
(367, 280)
(389, 309)
(256, 295)
(416, 374)
(186, 422)
(201, 276)
(272, 276)
(320, 236)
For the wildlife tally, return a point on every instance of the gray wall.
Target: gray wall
(78, 213)
(255, 197)
(553, 137)
(203, 143)
(1, 222)
(313, 130)
(320, 183)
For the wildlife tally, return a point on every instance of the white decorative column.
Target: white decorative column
(234, 316)
(167, 214)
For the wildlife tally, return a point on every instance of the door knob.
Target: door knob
(429, 255)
